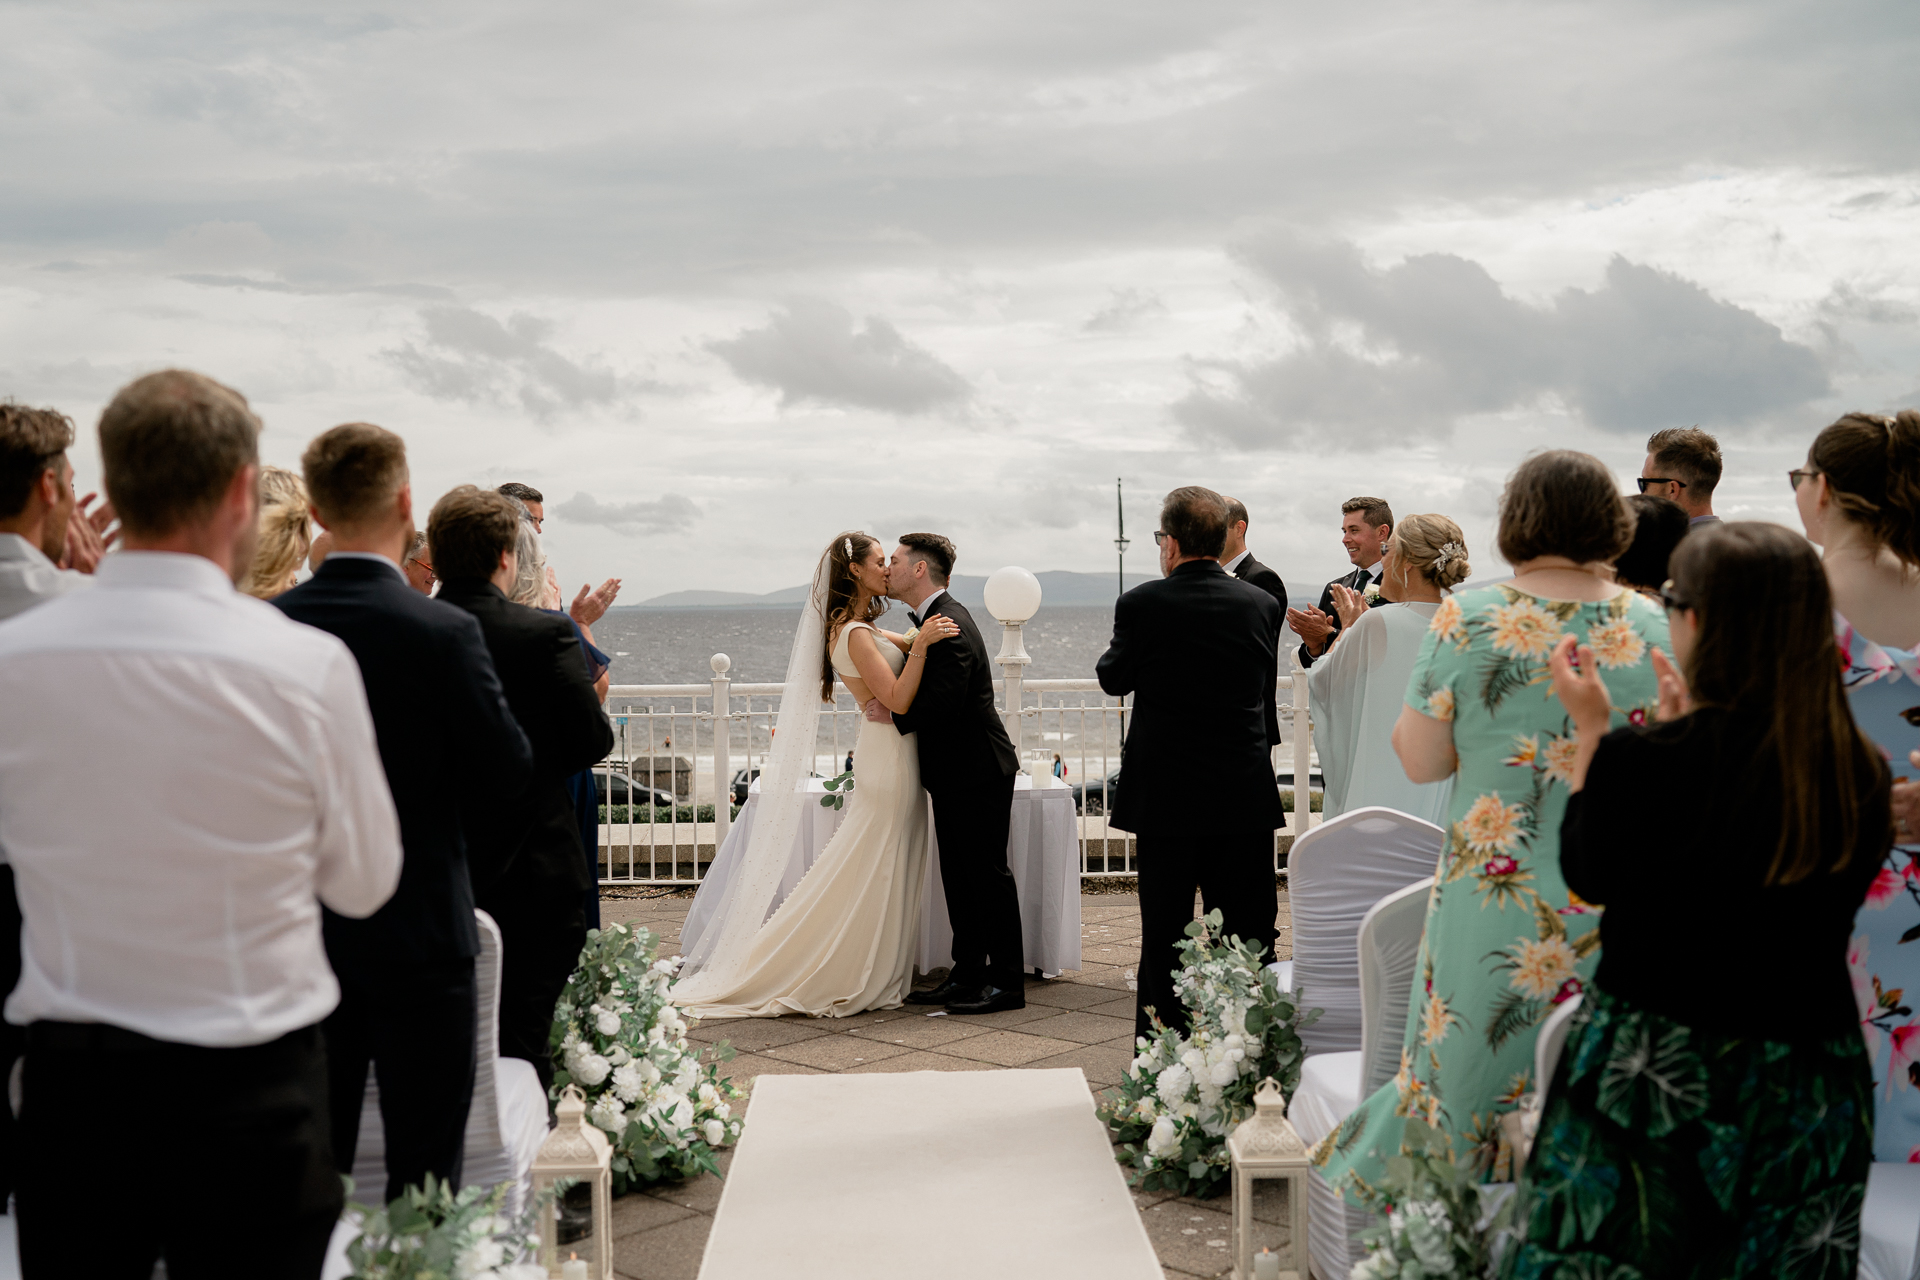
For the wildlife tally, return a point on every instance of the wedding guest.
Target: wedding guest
(418, 565)
(1238, 561)
(1199, 650)
(537, 899)
(530, 501)
(1691, 1136)
(1059, 767)
(1659, 524)
(1357, 688)
(172, 919)
(37, 506)
(1365, 526)
(1859, 499)
(447, 741)
(1505, 941)
(1683, 464)
(285, 537)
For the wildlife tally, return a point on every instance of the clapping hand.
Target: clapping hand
(1312, 626)
(1348, 603)
(590, 605)
(87, 536)
(1906, 805)
(1675, 701)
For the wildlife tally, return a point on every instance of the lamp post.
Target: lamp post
(1013, 596)
(1120, 542)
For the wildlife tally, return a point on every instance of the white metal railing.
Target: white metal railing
(705, 742)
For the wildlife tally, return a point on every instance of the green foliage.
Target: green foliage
(838, 788)
(621, 813)
(435, 1233)
(1316, 802)
(618, 1036)
(1436, 1223)
(1184, 1094)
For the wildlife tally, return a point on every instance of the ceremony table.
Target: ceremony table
(1043, 851)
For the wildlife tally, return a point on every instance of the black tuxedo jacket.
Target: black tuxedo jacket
(1199, 651)
(961, 735)
(446, 739)
(1351, 582)
(534, 837)
(1251, 570)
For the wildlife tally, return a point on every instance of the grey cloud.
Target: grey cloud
(469, 355)
(1435, 338)
(671, 513)
(1123, 309)
(811, 351)
(216, 281)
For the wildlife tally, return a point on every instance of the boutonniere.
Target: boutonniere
(1372, 594)
(910, 635)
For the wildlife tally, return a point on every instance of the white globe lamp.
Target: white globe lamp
(1013, 596)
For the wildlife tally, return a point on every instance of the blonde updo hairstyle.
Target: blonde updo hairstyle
(1433, 547)
(846, 550)
(286, 534)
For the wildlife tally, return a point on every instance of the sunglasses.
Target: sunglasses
(1795, 476)
(1671, 599)
(1159, 537)
(1644, 481)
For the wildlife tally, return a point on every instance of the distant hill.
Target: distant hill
(1057, 587)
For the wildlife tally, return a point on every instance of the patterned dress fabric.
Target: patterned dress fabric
(1884, 685)
(1668, 1151)
(1505, 940)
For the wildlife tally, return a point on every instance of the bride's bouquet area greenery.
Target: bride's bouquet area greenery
(1437, 1221)
(1184, 1094)
(619, 1038)
(436, 1233)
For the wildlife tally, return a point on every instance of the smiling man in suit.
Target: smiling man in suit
(1238, 561)
(1365, 526)
(407, 993)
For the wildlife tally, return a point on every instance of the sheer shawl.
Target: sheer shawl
(752, 892)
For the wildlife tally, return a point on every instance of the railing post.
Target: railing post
(722, 755)
(1302, 754)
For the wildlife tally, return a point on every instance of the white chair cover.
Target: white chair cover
(1890, 1223)
(508, 1120)
(1335, 873)
(1549, 1045)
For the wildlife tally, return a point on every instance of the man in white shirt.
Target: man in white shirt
(36, 506)
(172, 901)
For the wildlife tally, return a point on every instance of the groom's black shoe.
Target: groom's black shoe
(988, 999)
(948, 990)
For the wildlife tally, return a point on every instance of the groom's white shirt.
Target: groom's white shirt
(929, 602)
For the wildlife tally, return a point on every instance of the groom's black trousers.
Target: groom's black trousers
(970, 822)
(1233, 871)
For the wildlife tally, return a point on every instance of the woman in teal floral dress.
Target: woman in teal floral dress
(1505, 941)
(1685, 1135)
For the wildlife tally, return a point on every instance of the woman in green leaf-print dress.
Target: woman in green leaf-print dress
(1505, 940)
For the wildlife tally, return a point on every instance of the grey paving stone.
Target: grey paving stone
(757, 1035)
(1082, 1027)
(670, 1252)
(922, 1032)
(1067, 995)
(834, 1053)
(921, 1060)
(1007, 1048)
(639, 1211)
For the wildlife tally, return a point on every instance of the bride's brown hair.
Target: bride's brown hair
(847, 550)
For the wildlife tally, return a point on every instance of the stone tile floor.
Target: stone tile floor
(1082, 1019)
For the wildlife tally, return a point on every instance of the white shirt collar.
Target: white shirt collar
(365, 555)
(929, 601)
(1231, 565)
(15, 547)
(167, 570)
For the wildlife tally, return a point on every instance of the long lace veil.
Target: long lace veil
(751, 892)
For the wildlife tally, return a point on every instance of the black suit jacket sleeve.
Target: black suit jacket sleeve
(490, 749)
(579, 733)
(1115, 669)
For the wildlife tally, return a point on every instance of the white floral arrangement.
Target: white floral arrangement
(1437, 1216)
(1184, 1094)
(618, 1036)
(434, 1232)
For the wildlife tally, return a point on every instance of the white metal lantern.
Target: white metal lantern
(1265, 1146)
(576, 1152)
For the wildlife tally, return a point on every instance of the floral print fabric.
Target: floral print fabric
(1664, 1151)
(1884, 959)
(1505, 941)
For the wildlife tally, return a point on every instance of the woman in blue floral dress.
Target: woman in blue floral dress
(1859, 497)
(1505, 941)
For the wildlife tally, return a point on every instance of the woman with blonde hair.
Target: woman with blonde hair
(286, 534)
(1357, 687)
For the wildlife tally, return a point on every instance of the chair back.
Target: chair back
(1335, 874)
(1390, 936)
(1548, 1046)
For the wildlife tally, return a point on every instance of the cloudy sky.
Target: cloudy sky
(725, 278)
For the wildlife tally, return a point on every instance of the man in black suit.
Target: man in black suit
(537, 897)
(967, 765)
(1238, 561)
(1365, 526)
(1199, 651)
(446, 737)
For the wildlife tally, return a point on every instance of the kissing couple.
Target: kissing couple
(844, 938)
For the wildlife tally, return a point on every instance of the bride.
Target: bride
(843, 940)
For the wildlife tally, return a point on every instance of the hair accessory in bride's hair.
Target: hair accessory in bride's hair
(1448, 551)
(849, 546)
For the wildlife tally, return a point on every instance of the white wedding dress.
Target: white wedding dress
(843, 941)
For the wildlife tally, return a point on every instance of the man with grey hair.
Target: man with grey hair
(418, 564)
(172, 920)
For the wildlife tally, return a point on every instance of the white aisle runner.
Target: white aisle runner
(929, 1174)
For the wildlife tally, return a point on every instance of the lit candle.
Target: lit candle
(575, 1268)
(1266, 1266)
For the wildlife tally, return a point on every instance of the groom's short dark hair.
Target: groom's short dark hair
(1196, 518)
(932, 550)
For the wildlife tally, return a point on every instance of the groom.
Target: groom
(967, 765)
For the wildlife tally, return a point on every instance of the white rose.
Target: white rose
(618, 1055)
(1172, 1084)
(1224, 1074)
(651, 1072)
(481, 1256)
(628, 1082)
(1164, 1140)
(683, 1115)
(608, 1113)
(592, 1069)
(708, 1094)
(607, 1022)
(716, 1133)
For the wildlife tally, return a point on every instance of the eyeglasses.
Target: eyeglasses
(1159, 537)
(1795, 476)
(1670, 599)
(1644, 481)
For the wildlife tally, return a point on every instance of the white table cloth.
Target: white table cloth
(1043, 852)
